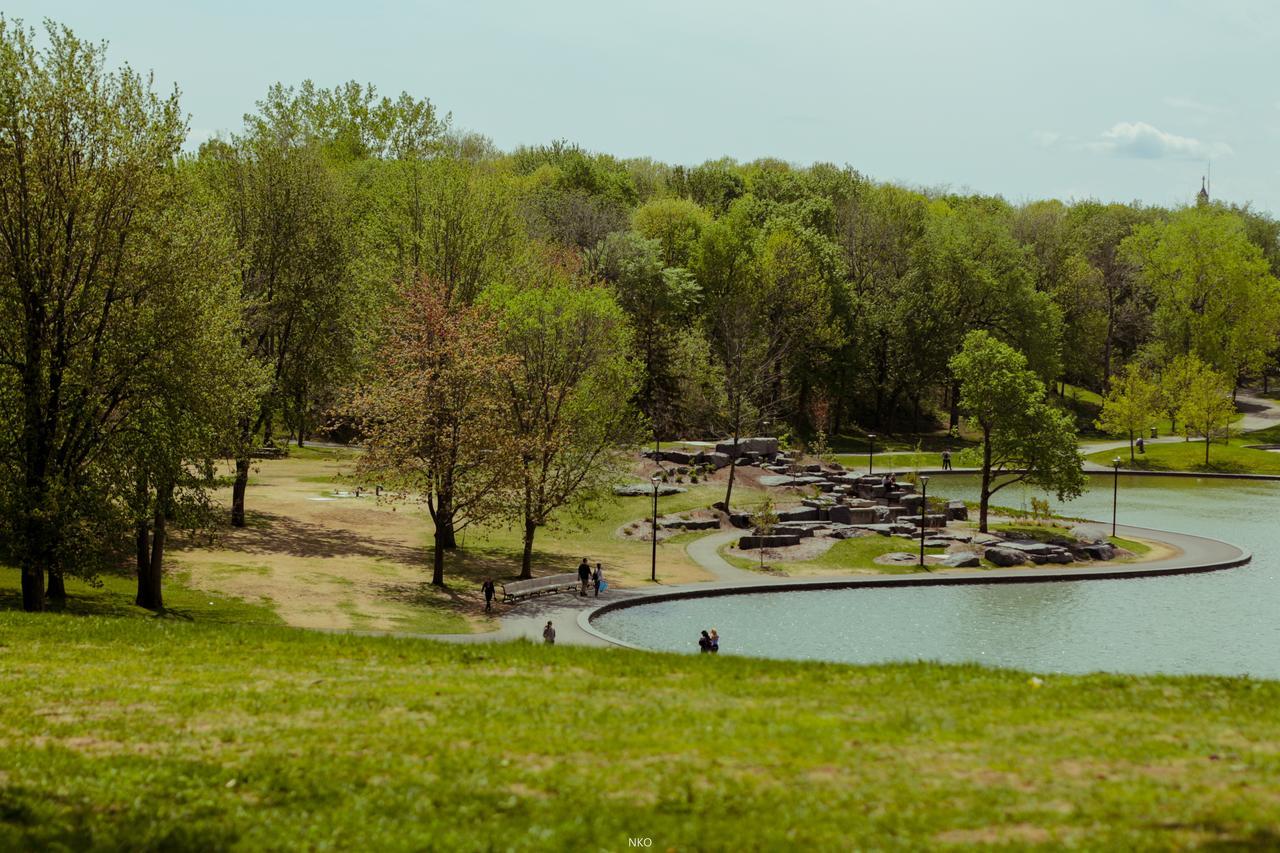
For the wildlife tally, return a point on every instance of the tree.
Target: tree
(286, 209)
(1215, 295)
(659, 301)
(1206, 406)
(566, 397)
(675, 223)
(1130, 404)
(86, 159)
(433, 413)
(1175, 383)
(1024, 439)
(763, 520)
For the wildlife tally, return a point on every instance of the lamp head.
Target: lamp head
(655, 479)
(1116, 462)
(924, 480)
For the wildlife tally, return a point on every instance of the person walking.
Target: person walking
(549, 634)
(946, 459)
(489, 592)
(584, 575)
(597, 579)
(704, 643)
(715, 641)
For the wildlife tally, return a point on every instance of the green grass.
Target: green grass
(113, 595)
(1139, 549)
(857, 553)
(159, 734)
(1232, 457)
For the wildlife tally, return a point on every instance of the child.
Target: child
(549, 634)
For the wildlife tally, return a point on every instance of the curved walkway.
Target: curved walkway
(1195, 554)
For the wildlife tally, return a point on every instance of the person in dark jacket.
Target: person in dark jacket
(597, 578)
(489, 592)
(704, 643)
(584, 575)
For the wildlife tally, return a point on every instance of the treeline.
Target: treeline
(309, 273)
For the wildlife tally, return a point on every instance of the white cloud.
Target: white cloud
(1045, 138)
(1190, 105)
(1141, 140)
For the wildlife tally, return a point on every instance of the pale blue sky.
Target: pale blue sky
(1115, 100)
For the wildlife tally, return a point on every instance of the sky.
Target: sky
(1111, 100)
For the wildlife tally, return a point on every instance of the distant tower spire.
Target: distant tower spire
(1202, 197)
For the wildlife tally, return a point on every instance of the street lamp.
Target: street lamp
(1115, 493)
(871, 454)
(653, 564)
(924, 502)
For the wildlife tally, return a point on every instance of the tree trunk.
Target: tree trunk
(1131, 447)
(33, 587)
(142, 556)
(985, 497)
(149, 587)
(57, 591)
(526, 559)
(1207, 440)
(446, 536)
(237, 492)
(437, 559)
(728, 492)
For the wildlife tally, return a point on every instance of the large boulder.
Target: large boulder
(748, 543)
(1096, 551)
(715, 460)
(961, 560)
(853, 515)
(804, 513)
(957, 511)
(1005, 557)
(759, 446)
(679, 457)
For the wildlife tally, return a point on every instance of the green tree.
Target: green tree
(567, 396)
(675, 223)
(1130, 405)
(86, 180)
(1175, 383)
(763, 520)
(1024, 439)
(432, 413)
(1215, 295)
(1206, 406)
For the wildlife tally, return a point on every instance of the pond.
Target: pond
(1225, 623)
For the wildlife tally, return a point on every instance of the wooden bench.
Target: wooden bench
(516, 590)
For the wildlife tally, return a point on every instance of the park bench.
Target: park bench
(516, 590)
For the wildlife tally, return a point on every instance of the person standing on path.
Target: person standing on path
(946, 459)
(584, 575)
(597, 579)
(549, 634)
(489, 592)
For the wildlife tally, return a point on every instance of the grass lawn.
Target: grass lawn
(847, 556)
(1231, 457)
(311, 559)
(162, 734)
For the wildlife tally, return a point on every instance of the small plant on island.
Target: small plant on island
(764, 520)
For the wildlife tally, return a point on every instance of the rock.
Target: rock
(748, 543)
(758, 446)
(715, 460)
(1005, 557)
(957, 511)
(679, 457)
(961, 561)
(637, 490)
(882, 529)
(793, 530)
(853, 515)
(911, 503)
(1088, 533)
(930, 520)
(936, 543)
(1097, 551)
(689, 523)
(803, 513)
(900, 557)
(740, 519)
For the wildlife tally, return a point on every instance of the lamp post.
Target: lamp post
(1115, 493)
(653, 564)
(871, 454)
(924, 502)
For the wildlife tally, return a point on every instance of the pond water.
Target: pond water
(1225, 623)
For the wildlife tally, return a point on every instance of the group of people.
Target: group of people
(590, 578)
(709, 643)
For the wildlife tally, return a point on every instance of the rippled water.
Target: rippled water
(1220, 623)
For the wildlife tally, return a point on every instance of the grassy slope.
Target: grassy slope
(1233, 457)
(155, 734)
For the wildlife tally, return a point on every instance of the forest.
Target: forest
(497, 326)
